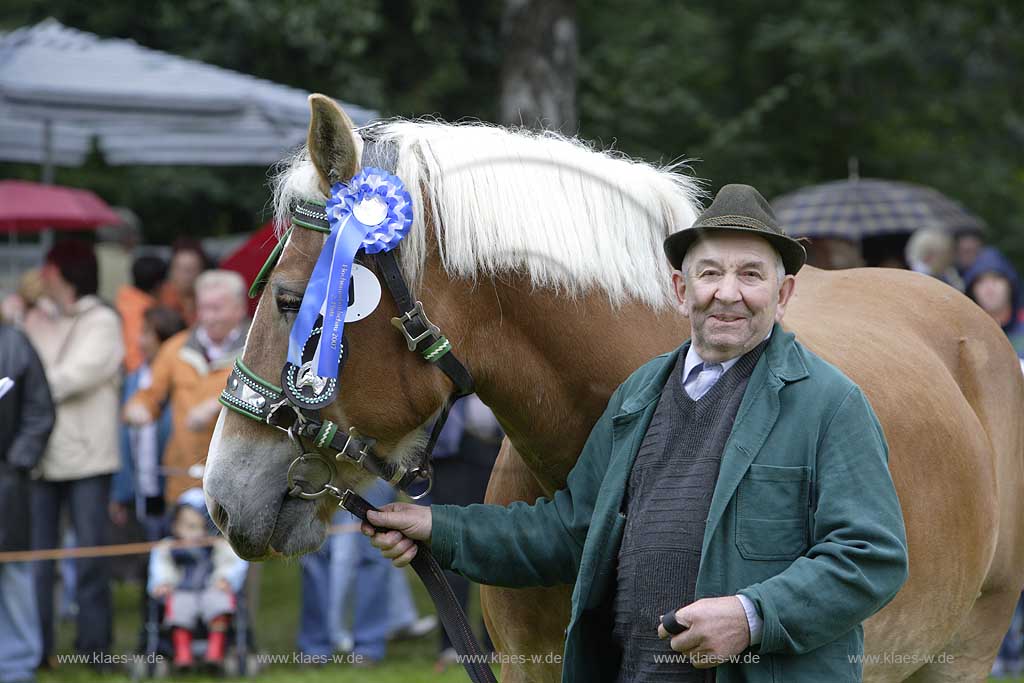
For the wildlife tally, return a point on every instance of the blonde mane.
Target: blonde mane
(570, 218)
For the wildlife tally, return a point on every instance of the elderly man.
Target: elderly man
(754, 524)
(190, 370)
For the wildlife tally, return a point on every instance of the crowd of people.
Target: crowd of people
(115, 364)
(108, 415)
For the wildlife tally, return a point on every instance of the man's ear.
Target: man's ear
(679, 286)
(333, 146)
(785, 294)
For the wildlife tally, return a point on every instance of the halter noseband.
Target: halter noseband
(256, 398)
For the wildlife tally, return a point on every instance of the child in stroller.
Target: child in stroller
(198, 584)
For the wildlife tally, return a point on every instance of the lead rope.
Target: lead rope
(453, 619)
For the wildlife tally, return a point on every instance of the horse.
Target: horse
(541, 260)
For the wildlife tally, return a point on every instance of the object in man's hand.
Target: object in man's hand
(671, 624)
(6, 384)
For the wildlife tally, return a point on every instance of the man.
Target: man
(132, 302)
(930, 251)
(26, 418)
(188, 261)
(724, 488)
(82, 352)
(190, 370)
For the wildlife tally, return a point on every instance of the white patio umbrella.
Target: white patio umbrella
(60, 88)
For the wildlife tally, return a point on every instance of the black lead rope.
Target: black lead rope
(453, 619)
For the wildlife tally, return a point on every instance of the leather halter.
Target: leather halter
(255, 397)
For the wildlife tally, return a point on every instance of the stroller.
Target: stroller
(207, 625)
(239, 659)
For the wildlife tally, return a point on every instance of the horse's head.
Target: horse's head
(386, 393)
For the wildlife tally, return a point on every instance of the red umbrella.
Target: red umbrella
(29, 207)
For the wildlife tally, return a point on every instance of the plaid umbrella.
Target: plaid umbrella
(863, 207)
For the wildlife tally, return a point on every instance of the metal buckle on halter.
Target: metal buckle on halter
(417, 314)
(272, 411)
(363, 446)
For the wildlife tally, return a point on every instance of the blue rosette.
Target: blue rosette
(372, 212)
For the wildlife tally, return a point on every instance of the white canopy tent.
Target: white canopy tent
(60, 88)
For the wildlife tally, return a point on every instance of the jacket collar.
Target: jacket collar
(194, 354)
(782, 357)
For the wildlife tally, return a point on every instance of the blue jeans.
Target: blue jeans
(21, 644)
(1012, 648)
(87, 503)
(347, 568)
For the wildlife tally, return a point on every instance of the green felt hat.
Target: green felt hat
(737, 208)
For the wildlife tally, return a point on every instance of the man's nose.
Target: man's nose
(728, 289)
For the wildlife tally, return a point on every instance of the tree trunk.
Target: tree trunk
(538, 76)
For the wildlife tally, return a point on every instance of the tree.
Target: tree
(538, 74)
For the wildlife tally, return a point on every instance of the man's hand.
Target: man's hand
(201, 416)
(716, 629)
(162, 591)
(136, 415)
(411, 523)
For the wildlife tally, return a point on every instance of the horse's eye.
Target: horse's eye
(288, 304)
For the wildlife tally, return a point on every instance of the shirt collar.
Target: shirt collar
(693, 359)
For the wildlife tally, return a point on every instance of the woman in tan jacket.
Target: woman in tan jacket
(81, 349)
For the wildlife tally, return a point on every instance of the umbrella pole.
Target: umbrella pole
(47, 178)
(12, 242)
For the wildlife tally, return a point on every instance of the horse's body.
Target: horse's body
(940, 375)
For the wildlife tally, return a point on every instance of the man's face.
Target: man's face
(218, 311)
(992, 292)
(185, 268)
(731, 293)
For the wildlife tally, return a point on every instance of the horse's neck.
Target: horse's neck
(546, 366)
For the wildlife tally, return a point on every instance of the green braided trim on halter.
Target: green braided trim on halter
(269, 265)
(238, 408)
(434, 352)
(256, 378)
(326, 434)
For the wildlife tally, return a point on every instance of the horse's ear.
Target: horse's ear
(333, 146)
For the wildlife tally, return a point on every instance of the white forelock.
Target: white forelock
(570, 218)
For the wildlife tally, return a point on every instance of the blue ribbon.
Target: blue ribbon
(374, 196)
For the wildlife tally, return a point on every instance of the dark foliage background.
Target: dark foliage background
(776, 94)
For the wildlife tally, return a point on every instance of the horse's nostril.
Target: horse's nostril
(219, 515)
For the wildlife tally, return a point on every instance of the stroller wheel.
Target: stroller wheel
(252, 665)
(231, 667)
(161, 669)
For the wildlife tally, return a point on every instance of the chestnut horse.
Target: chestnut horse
(541, 261)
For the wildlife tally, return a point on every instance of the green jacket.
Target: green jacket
(804, 521)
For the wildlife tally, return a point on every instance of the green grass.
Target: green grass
(275, 631)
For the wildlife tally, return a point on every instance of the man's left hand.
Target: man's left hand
(716, 629)
(202, 415)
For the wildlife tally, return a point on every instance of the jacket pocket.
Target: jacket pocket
(772, 512)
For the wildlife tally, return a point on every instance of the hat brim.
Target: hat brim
(792, 252)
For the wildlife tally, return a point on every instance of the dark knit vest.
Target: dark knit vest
(666, 504)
